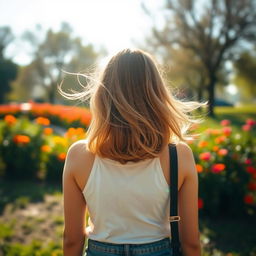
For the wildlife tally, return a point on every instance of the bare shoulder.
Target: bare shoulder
(186, 159)
(184, 148)
(78, 154)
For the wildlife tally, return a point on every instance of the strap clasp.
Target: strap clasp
(174, 218)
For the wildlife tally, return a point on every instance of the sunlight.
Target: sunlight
(111, 25)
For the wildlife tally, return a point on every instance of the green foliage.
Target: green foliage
(54, 167)
(210, 32)
(55, 52)
(20, 149)
(225, 160)
(21, 202)
(8, 72)
(6, 231)
(36, 248)
(245, 77)
(8, 69)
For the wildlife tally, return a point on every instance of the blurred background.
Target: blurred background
(207, 51)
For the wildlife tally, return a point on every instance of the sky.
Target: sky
(113, 24)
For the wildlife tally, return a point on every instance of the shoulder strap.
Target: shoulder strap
(174, 218)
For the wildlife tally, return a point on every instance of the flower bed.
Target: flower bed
(64, 116)
(225, 158)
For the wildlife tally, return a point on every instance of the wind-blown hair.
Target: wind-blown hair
(134, 114)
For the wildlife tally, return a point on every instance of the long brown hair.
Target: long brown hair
(134, 114)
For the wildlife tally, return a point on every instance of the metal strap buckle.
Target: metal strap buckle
(174, 218)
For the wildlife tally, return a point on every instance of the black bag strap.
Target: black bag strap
(174, 218)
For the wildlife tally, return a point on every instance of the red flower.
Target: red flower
(252, 186)
(200, 203)
(227, 130)
(251, 169)
(248, 199)
(206, 156)
(250, 122)
(246, 127)
(222, 152)
(216, 168)
(225, 122)
(248, 161)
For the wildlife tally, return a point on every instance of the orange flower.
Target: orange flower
(80, 131)
(199, 167)
(70, 132)
(216, 168)
(62, 156)
(215, 148)
(202, 144)
(21, 139)
(200, 203)
(43, 121)
(220, 139)
(222, 152)
(10, 119)
(47, 131)
(215, 131)
(248, 199)
(205, 156)
(46, 148)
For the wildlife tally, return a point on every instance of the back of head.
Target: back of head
(134, 114)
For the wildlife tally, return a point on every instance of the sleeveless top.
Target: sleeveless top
(127, 203)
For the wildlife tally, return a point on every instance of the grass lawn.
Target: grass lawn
(237, 116)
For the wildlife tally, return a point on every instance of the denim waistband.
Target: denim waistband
(134, 248)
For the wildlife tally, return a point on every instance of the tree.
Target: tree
(213, 32)
(58, 51)
(8, 69)
(245, 75)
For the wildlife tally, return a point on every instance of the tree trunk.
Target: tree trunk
(200, 93)
(51, 94)
(211, 93)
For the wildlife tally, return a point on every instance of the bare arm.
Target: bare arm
(74, 207)
(188, 203)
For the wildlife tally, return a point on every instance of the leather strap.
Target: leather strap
(174, 218)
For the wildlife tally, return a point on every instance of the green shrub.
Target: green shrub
(226, 160)
(6, 231)
(20, 145)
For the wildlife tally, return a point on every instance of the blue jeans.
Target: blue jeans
(158, 248)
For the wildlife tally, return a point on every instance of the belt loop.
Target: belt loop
(127, 250)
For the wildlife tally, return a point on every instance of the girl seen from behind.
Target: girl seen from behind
(121, 171)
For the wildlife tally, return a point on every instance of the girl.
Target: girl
(121, 172)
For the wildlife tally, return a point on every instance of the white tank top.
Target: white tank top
(127, 203)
